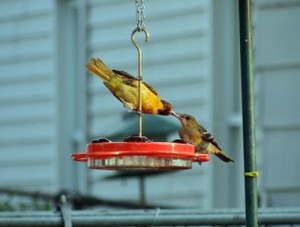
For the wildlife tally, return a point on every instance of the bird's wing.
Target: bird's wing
(208, 137)
(131, 80)
(124, 74)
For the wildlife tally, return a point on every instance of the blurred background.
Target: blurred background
(50, 106)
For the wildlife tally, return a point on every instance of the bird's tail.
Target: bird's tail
(224, 157)
(98, 67)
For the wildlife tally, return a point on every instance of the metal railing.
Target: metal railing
(153, 217)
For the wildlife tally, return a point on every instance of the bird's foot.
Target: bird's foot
(140, 113)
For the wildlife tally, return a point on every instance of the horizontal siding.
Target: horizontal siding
(26, 92)
(285, 155)
(286, 89)
(278, 37)
(28, 27)
(31, 49)
(25, 152)
(14, 10)
(25, 71)
(180, 189)
(168, 189)
(277, 67)
(27, 104)
(26, 113)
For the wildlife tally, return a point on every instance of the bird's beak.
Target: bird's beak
(176, 114)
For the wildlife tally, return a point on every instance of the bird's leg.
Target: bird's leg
(139, 113)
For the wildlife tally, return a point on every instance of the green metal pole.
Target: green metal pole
(248, 113)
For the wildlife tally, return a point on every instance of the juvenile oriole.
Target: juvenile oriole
(193, 133)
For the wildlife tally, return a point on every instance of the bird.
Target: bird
(195, 134)
(125, 88)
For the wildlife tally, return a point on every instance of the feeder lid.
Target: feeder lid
(143, 154)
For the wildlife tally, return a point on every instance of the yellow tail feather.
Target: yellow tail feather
(98, 67)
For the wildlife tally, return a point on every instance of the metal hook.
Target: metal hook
(138, 48)
(139, 73)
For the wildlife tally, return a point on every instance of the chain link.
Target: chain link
(140, 16)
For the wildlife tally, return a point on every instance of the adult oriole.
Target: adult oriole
(125, 88)
(193, 133)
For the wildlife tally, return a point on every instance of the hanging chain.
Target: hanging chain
(140, 16)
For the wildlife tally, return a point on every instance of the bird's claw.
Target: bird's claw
(140, 113)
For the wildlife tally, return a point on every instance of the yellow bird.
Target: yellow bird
(125, 88)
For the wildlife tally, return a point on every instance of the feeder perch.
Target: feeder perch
(139, 153)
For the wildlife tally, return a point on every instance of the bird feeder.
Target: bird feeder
(138, 152)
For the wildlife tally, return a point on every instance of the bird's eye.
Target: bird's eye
(187, 118)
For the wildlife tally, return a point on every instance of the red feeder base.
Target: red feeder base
(139, 155)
